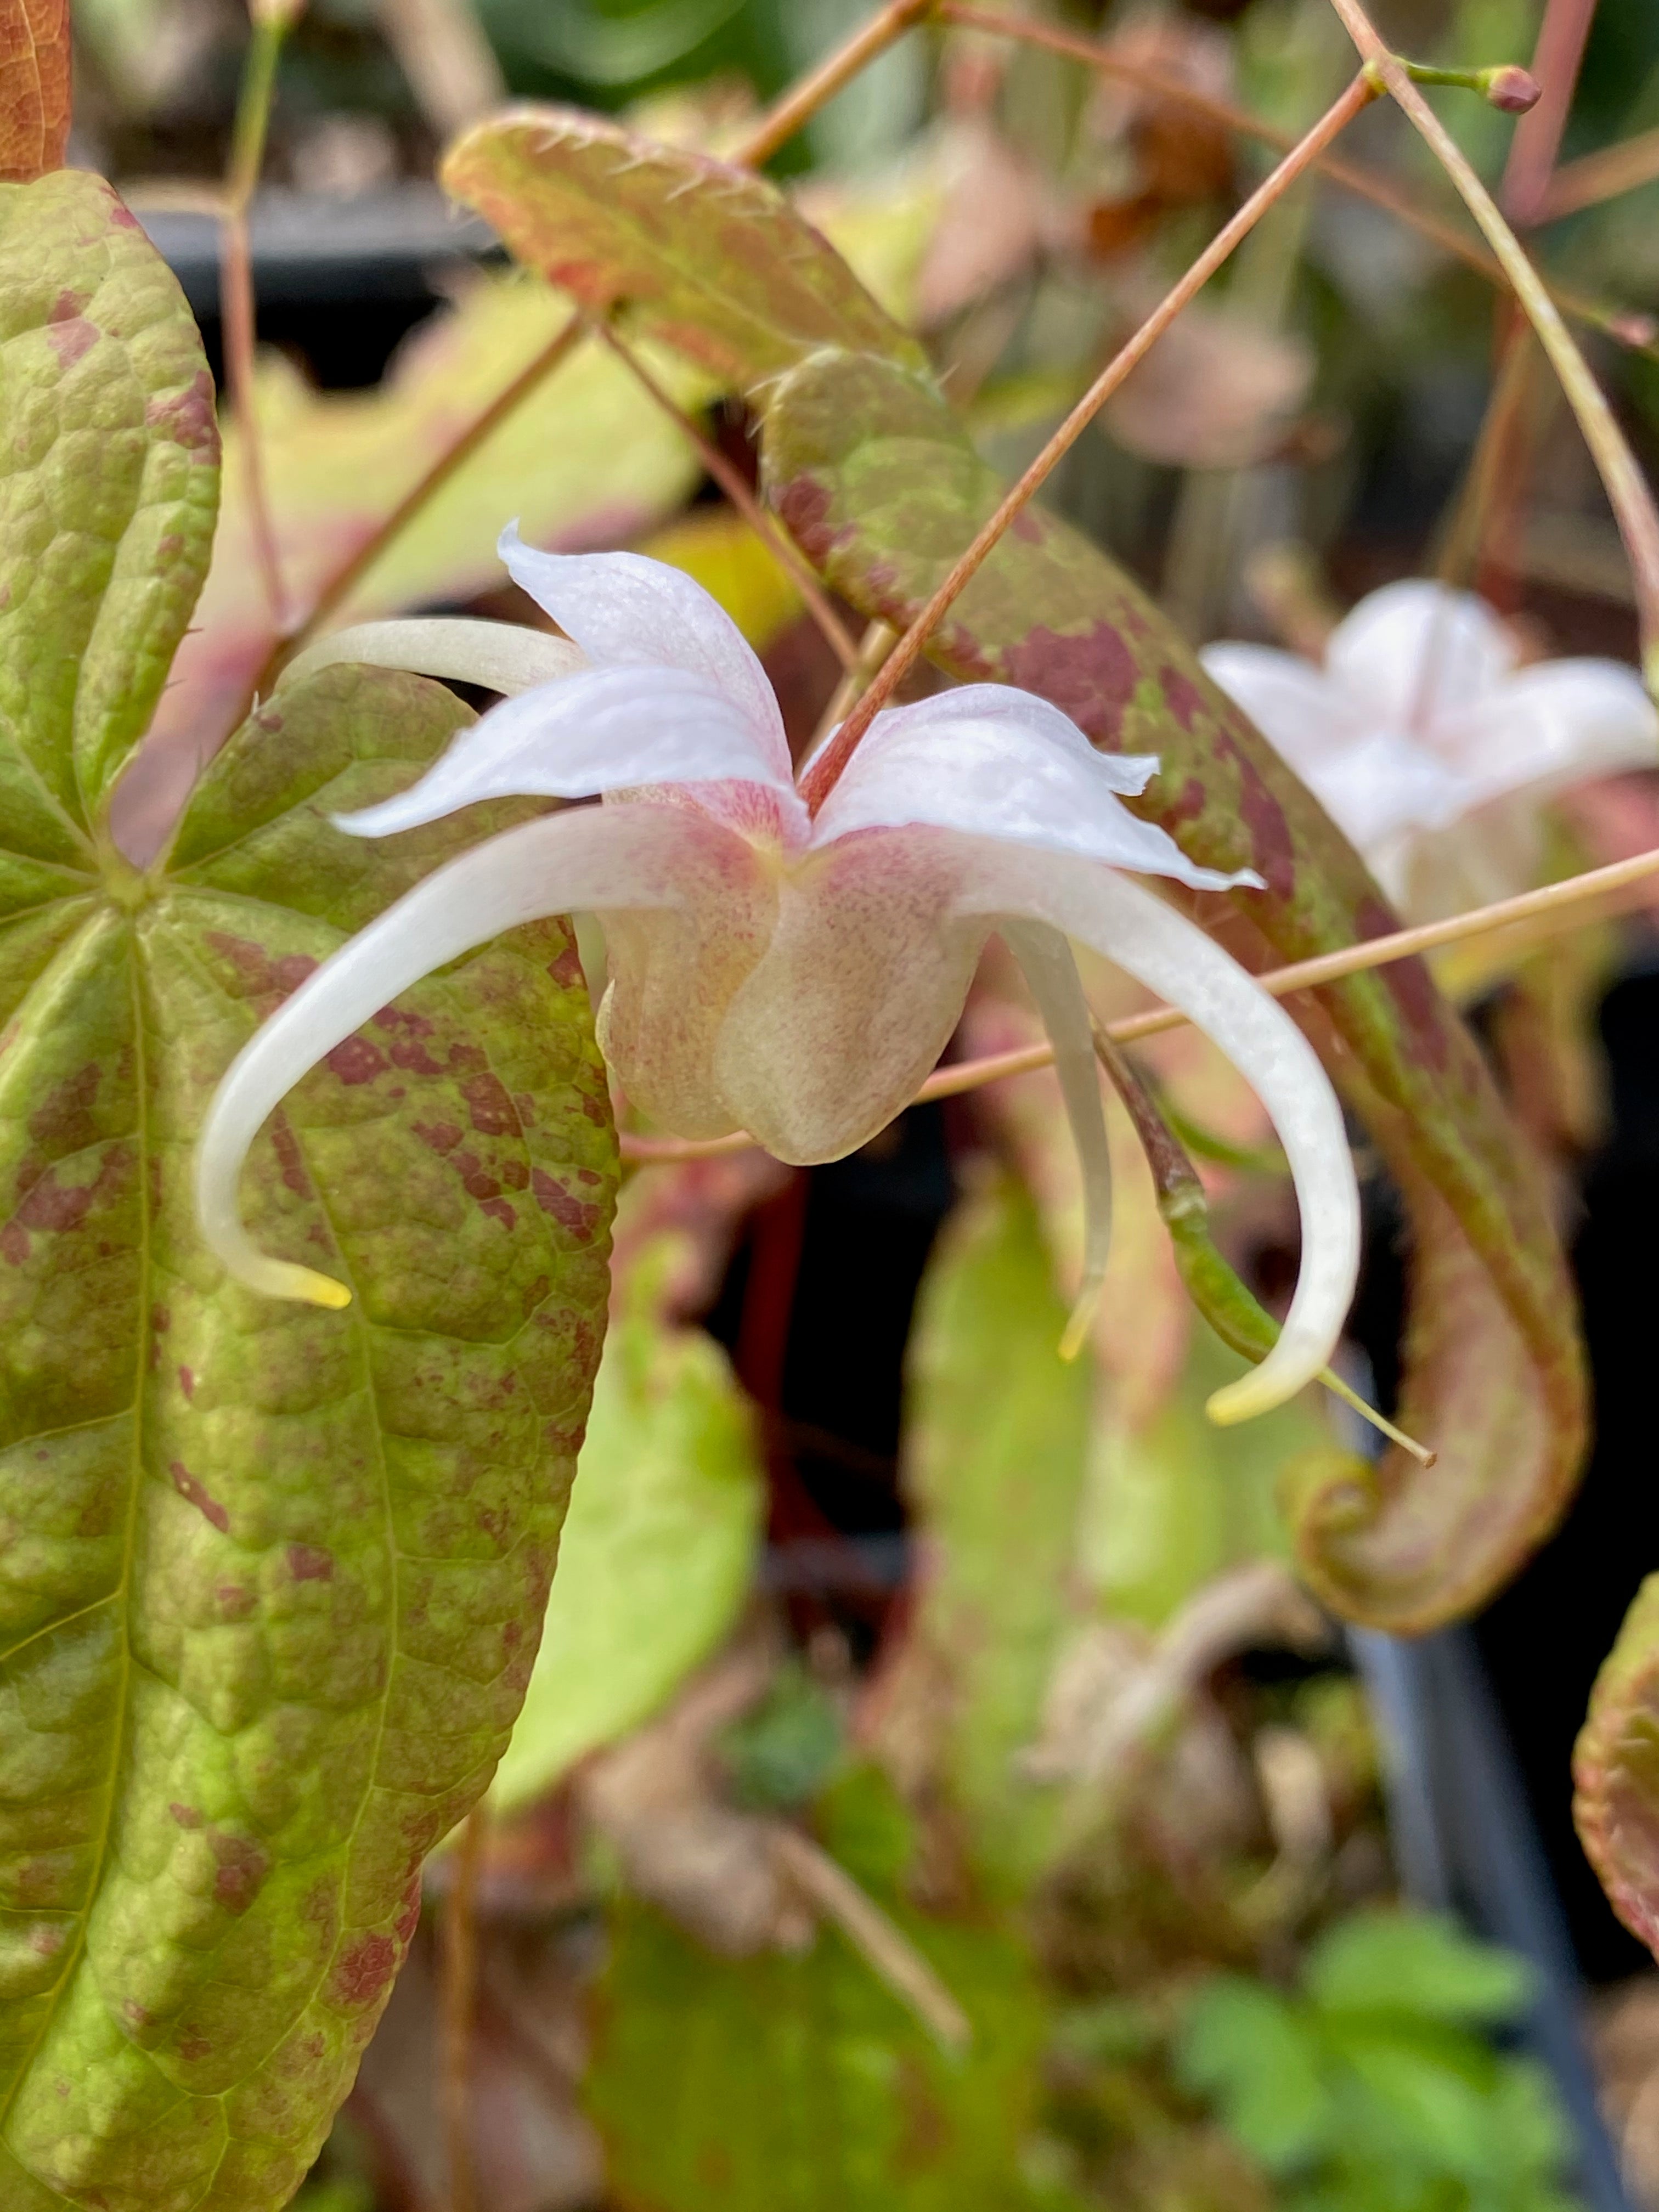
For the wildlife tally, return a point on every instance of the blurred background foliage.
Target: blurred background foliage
(934, 1792)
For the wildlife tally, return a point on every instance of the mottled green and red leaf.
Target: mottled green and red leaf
(271, 1578)
(883, 490)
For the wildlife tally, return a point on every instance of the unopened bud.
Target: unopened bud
(1510, 88)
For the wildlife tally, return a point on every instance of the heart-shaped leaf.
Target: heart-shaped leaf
(271, 1578)
(883, 490)
(711, 259)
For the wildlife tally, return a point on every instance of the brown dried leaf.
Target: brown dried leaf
(34, 88)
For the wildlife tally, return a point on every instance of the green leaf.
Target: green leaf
(1178, 1501)
(1416, 1963)
(1615, 1770)
(655, 1559)
(783, 1754)
(1416, 2101)
(271, 1577)
(883, 491)
(709, 258)
(1251, 2050)
(800, 2084)
(996, 1444)
(107, 499)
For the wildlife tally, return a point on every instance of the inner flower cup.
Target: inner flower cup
(793, 975)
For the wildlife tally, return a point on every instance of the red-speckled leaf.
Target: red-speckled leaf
(272, 1578)
(1615, 1771)
(713, 260)
(34, 88)
(109, 490)
(883, 490)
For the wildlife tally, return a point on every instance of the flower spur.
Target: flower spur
(793, 974)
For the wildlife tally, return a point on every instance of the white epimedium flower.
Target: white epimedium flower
(794, 976)
(1421, 717)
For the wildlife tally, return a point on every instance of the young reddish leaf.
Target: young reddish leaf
(883, 490)
(34, 88)
(1615, 1771)
(713, 260)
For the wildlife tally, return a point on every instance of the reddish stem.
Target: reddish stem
(1635, 331)
(1626, 489)
(1546, 907)
(1537, 139)
(731, 481)
(833, 74)
(821, 779)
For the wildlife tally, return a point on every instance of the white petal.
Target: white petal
(1386, 784)
(503, 657)
(1558, 723)
(597, 858)
(623, 609)
(1305, 717)
(606, 729)
(1046, 959)
(1173, 958)
(1371, 778)
(996, 762)
(1415, 652)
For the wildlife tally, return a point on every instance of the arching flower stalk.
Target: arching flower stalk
(1421, 719)
(794, 975)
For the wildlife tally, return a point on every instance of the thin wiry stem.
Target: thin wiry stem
(777, 540)
(459, 1990)
(1626, 489)
(833, 74)
(1555, 909)
(820, 780)
(879, 640)
(1601, 176)
(1638, 332)
(1537, 139)
(236, 309)
(345, 580)
(797, 108)
(827, 1884)
(1490, 495)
